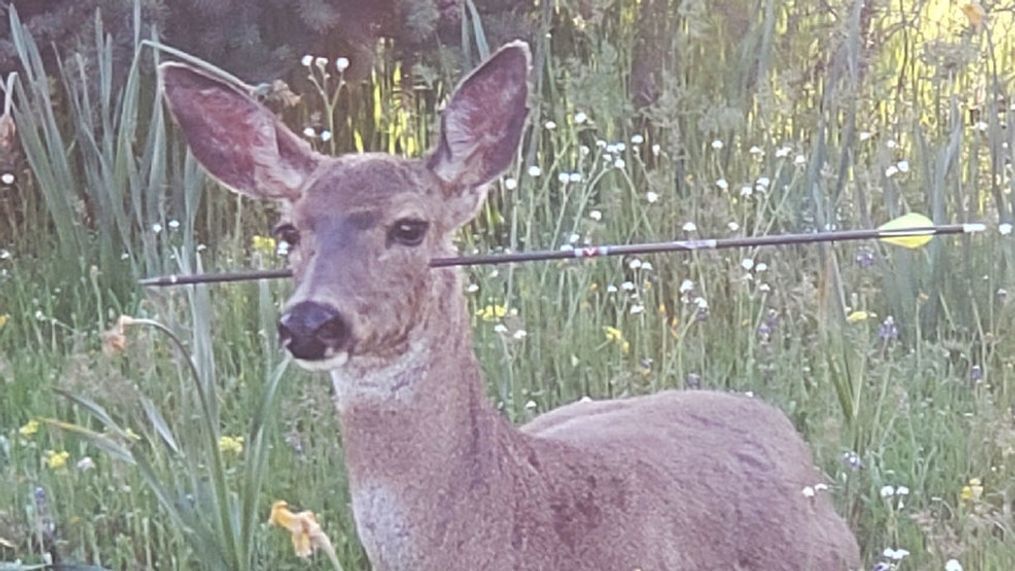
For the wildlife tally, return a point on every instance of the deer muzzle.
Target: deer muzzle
(316, 334)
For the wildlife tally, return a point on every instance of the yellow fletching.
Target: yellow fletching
(907, 222)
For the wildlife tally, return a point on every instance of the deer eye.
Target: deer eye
(287, 233)
(408, 231)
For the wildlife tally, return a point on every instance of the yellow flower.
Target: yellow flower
(492, 312)
(4, 318)
(616, 336)
(858, 316)
(307, 534)
(29, 429)
(56, 460)
(264, 245)
(231, 444)
(972, 491)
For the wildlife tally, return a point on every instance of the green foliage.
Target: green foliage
(765, 117)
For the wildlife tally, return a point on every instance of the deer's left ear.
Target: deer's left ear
(482, 125)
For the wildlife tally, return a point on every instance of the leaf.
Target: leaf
(100, 441)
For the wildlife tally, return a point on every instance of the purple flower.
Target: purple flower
(888, 331)
(865, 257)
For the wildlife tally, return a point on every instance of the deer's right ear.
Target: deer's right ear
(236, 139)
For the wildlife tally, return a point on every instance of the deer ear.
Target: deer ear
(482, 125)
(236, 139)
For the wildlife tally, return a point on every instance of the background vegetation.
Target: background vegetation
(652, 120)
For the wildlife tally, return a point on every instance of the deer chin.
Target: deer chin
(329, 363)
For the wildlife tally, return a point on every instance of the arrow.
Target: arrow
(911, 231)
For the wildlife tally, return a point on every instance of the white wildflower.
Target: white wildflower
(307, 60)
(535, 171)
(634, 264)
(657, 149)
(500, 328)
(895, 554)
(550, 125)
(891, 171)
(156, 228)
(953, 565)
(637, 139)
(580, 118)
(722, 184)
(887, 491)
(574, 177)
(637, 308)
(620, 163)
(690, 227)
(510, 183)
(520, 334)
(321, 62)
(733, 226)
(902, 165)
(7, 178)
(756, 151)
(1004, 228)
(717, 144)
(627, 286)
(341, 64)
(800, 160)
(747, 264)
(596, 215)
(783, 152)
(651, 197)
(309, 133)
(174, 224)
(686, 286)
(325, 135)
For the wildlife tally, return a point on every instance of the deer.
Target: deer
(438, 478)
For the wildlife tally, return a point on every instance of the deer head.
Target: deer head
(362, 228)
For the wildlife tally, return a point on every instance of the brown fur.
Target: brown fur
(681, 480)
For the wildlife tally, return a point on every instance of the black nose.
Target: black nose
(312, 331)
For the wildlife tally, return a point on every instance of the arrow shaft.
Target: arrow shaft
(600, 251)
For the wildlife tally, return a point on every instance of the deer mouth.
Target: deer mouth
(335, 360)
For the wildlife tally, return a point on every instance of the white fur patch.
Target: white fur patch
(365, 379)
(383, 526)
(325, 365)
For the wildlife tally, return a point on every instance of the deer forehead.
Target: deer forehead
(387, 187)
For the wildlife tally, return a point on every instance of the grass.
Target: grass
(790, 121)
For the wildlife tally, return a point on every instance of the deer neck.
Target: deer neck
(425, 451)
